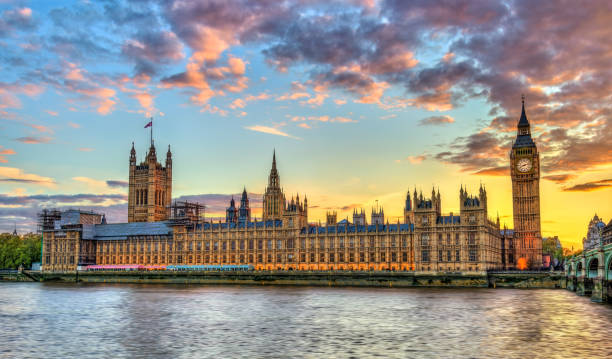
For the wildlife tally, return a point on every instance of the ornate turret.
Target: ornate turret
(332, 218)
(169, 157)
(244, 212)
(359, 218)
(408, 208)
(231, 213)
(378, 215)
(133, 156)
(482, 194)
(295, 214)
(408, 203)
(151, 155)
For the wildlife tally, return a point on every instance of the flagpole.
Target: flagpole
(151, 131)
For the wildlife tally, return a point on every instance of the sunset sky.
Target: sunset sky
(362, 100)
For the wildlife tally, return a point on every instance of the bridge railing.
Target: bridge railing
(9, 271)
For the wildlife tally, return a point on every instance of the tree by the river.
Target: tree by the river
(16, 251)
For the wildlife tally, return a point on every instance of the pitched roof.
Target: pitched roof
(115, 231)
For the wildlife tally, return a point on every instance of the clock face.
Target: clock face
(523, 165)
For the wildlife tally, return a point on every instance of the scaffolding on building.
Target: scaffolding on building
(47, 219)
(184, 212)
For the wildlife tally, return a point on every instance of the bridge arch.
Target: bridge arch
(608, 273)
(592, 267)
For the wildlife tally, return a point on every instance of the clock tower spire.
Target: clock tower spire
(525, 174)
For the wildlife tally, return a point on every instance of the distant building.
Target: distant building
(594, 235)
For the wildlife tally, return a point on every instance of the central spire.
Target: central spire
(523, 120)
(274, 181)
(274, 160)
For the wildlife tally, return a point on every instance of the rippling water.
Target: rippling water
(154, 321)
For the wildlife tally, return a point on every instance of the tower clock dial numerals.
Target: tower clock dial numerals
(523, 165)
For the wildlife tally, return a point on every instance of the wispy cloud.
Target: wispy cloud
(337, 119)
(33, 140)
(270, 130)
(494, 171)
(436, 120)
(415, 160)
(113, 183)
(4, 153)
(560, 178)
(590, 186)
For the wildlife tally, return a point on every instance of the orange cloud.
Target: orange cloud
(237, 103)
(561, 178)
(494, 171)
(415, 160)
(34, 140)
(236, 65)
(5, 152)
(209, 43)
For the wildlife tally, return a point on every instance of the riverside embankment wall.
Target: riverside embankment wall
(322, 278)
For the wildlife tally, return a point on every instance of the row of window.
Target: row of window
(447, 256)
(59, 260)
(250, 245)
(425, 240)
(278, 258)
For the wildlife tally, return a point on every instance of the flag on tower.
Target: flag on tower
(149, 124)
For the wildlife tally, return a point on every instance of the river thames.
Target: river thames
(41, 320)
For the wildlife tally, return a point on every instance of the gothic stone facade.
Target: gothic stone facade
(427, 241)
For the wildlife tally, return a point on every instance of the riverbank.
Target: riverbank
(312, 278)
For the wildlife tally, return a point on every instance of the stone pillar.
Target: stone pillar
(581, 277)
(599, 292)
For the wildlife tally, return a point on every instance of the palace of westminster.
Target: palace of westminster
(160, 232)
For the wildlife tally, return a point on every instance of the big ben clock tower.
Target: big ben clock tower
(525, 173)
